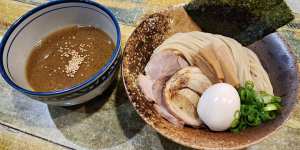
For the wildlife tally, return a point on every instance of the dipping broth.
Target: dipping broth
(68, 57)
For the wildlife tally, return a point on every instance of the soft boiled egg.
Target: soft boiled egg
(217, 106)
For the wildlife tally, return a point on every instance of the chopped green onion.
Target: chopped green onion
(236, 121)
(270, 107)
(256, 108)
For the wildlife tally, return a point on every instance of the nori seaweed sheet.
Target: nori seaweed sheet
(244, 20)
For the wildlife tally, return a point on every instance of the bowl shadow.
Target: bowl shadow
(77, 123)
(129, 120)
(103, 122)
(87, 108)
(168, 144)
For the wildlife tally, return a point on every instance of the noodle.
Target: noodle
(221, 59)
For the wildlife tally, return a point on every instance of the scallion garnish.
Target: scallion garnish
(256, 108)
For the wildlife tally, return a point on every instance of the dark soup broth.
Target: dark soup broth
(68, 57)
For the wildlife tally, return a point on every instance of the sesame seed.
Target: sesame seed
(74, 64)
(46, 56)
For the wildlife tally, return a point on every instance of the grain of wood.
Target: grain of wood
(10, 11)
(120, 4)
(126, 32)
(166, 3)
(11, 139)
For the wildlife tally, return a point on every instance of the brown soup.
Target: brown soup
(68, 57)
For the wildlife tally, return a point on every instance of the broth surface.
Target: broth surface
(68, 57)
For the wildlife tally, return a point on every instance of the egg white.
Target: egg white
(217, 106)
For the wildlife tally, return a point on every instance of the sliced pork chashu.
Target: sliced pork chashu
(158, 70)
(153, 92)
(182, 92)
(164, 64)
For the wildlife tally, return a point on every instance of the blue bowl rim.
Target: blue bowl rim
(115, 54)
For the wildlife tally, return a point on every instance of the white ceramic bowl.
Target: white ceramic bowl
(18, 41)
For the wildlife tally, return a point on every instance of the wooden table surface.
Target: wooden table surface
(108, 122)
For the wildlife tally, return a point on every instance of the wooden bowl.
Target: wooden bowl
(274, 54)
